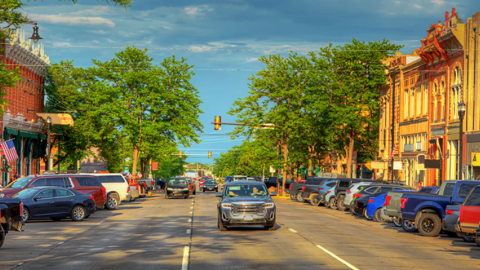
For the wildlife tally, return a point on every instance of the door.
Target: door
(63, 202)
(44, 204)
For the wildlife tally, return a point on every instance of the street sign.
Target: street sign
(475, 159)
(272, 170)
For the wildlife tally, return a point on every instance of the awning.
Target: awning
(28, 134)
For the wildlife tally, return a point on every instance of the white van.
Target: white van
(117, 188)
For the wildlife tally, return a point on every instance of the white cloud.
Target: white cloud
(98, 31)
(194, 10)
(438, 2)
(111, 41)
(72, 19)
(95, 41)
(61, 44)
(93, 11)
(252, 59)
(417, 6)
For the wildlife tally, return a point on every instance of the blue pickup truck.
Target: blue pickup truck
(426, 211)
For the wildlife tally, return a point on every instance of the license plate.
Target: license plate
(248, 218)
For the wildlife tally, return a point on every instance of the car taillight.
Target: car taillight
(402, 202)
(356, 196)
(320, 188)
(137, 187)
(370, 201)
(128, 189)
(449, 212)
(91, 197)
(348, 191)
(21, 210)
(303, 188)
(387, 200)
(328, 191)
(290, 187)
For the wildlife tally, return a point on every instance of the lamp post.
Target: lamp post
(35, 36)
(461, 115)
(49, 125)
(392, 128)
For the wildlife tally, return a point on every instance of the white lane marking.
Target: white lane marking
(100, 222)
(292, 230)
(60, 243)
(190, 220)
(338, 258)
(186, 251)
(191, 207)
(189, 231)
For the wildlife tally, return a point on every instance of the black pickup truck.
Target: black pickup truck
(311, 188)
(10, 217)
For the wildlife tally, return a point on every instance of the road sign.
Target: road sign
(272, 170)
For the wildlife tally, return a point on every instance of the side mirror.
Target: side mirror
(218, 194)
(36, 198)
(273, 193)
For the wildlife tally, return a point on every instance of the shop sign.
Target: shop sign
(58, 118)
(475, 159)
(397, 165)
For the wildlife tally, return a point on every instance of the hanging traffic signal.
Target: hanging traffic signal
(218, 120)
(180, 154)
(209, 154)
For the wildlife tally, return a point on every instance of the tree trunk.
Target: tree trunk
(351, 136)
(310, 157)
(135, 160)
(285, 167)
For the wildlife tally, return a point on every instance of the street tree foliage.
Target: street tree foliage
(129, 107)
(309, 106)
(12, 17)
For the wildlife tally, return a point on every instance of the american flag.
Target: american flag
(9, 151)
(393, 152)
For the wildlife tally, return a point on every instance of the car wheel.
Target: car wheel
(429, 224)
(396, 223)
(378, 215)
(476, 242)
(365, 214)
(2, 236)
(220, 225)
(186, 197)
(315, 201)
(78, 213)
(293, 197)
(25, 214)
(332, 204)
(407, 225)
(111, 202)
(469, 240)
(299, 197)
(272, 228)
(340, 205)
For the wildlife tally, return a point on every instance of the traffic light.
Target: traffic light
(180, 154)
(218, 120)
(209, 154)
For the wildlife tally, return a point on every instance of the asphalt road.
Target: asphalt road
(155, 233)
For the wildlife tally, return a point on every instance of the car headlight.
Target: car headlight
(169, 188)
(269, 205)
(185, 188)
(216, 186)
(2, 195)
(226, 205)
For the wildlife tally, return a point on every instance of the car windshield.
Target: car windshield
(246, 190)
(211, 182)
(25, 194)
(177, 182)
(207, 178)
(20, 183)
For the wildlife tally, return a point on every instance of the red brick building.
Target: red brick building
(20, 121)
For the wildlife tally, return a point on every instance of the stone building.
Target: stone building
(20, 121)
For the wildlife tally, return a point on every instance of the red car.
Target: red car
(87, 184)
(469, 216)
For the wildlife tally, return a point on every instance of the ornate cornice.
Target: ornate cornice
(19, 123)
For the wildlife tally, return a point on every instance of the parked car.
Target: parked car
(177, 187)
(10, 217)
(134, 192)
(311, 191)
(328, 199)
(469, 216)
(246, 203)
(117, 188)
(375, 204)
(272, 182)
(148, 184)
(87, 184)
(426, 211)
(55, 203)
(354, 188)
(341, 188)
(295, 188)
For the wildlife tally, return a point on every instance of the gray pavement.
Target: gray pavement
(152, 233)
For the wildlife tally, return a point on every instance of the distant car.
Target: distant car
(354, 188)
(55, 203)
(246, 203)
(272, 182)
(210, 185)
(375, 204)
(117, 188)
(312, 191)
(328, 199)
(177, 187)
(203, 179)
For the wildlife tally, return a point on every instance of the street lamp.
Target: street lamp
(35, 36)
(49, 125)
(392, 127)
(461, 114)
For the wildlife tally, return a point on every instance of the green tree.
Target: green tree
(353, 97)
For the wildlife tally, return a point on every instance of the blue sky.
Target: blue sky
(224, 38)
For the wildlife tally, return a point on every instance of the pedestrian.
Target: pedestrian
(16, 176)
(419, 185)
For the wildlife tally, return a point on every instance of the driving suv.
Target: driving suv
(246, 203)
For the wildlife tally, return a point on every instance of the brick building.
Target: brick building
(20, 121)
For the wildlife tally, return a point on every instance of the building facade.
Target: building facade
(20, 122)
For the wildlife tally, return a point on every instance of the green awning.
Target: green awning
(42, 137)
(28, 135)
(9, 131)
